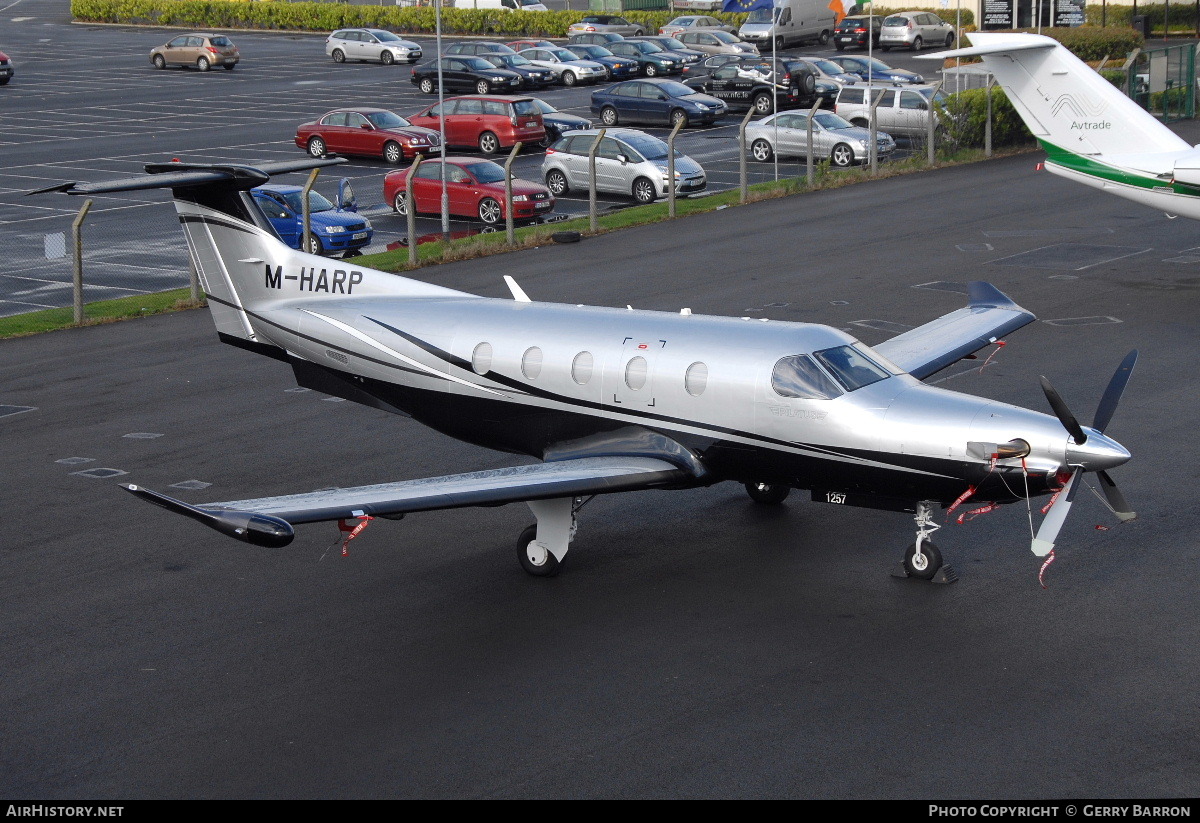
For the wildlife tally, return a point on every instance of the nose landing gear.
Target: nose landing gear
(923, 560)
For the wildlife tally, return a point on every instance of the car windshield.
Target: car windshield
(827, 66)
(562, 54)
(592, 51)
(477, 63)
(850, 367)
(543, 107)
(831, 121)
(762, 16)
(386, 120)
(647, 146)
(316, 202)
(385, 37)
(873, 64)
(647, 48)
(725, 37)
(674, 89)
(487, 172)
(671, 43)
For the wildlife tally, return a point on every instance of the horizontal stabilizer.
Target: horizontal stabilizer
(926, 350)
(187, 175)
(1000, 46)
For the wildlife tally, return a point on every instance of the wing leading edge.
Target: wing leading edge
(926, 350)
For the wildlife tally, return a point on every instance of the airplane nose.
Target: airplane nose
(1097, 453)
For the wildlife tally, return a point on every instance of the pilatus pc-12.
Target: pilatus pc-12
(616, 400)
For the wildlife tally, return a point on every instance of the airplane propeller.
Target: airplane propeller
(1048, 532)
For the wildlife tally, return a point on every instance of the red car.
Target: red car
(475, 188)
(488, 122)
(520, 45)
(367, 132)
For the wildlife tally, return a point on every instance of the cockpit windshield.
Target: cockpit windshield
(798, 376)
(850, 367)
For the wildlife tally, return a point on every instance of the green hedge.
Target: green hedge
(1090, 44)
(1183, 15)
(967, 116)
(239, 14)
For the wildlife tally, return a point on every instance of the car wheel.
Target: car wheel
(643, 191)
(761, 151)
(489, 143)
(230, 66)
(159, 61)
(339, 56)
(556, 181)
(387, 58)
(316, 147)
(651, 70)
(483, 87)
(400, 203)
(917, 43)
(949, 40)
(392, 153)
(763, 104)
(568, 78)
(842, 155)
(839, 46)
(640, 33)
(609, 116)
(679, 118)
(779, 44)
(823, 38)
(314, 244)
(490, 212)
(886, 48)
(203, 64)
(426, 86)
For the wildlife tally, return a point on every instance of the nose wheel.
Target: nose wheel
(923, 560)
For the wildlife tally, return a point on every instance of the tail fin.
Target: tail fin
(1068, 106)
(243, 266)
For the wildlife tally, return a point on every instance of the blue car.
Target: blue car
(333, 229)
(662, 102)
(616, 68)
(877, 70)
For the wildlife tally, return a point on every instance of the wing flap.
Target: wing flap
(926, 350)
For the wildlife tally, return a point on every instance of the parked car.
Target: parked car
(478, 47)
(510, 5)
(475, 188)
(367, 132)
(332, 229)
(876, 71)
(788, 22)
(715, 42)
(786, 134)
(828, 70)
(566, 67)
(486, 123)
(851, 32)
(615, 68)
(628, 162)
(651, 57)
(7, 69)
(557, 122)
(607, 23)
(532, 76)
(690, 22)
(673, 47)
(900, 111)
(371, 44)
(914, 29)
(196, 49)
(597, 38)
(465, 71)
(755, 82)
(659, 101)
(521, 45)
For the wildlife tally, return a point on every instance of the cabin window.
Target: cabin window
(850, 367)
(481, 358)
(581, 367)
(695, 379)
(635, 373)
(799, 376)
(531, 363)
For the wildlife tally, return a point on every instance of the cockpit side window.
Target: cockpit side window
(850, 367)
(798, 376)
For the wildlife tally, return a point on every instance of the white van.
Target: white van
(788, 23)
(511, 5)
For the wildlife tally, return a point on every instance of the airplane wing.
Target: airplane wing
(928, 349)
(268, 521)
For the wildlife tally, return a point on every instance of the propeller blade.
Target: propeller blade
(1115, 499)
(1112, 395)
(1063, 413)
(1048, 533)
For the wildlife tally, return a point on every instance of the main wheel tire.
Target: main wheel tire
(569, 78)
(387, 58)
(679, 116)
(761, 151)
(644, 191)
(159, 62)
(927, 566)
(651, 70)
(483, 87)
(400, 203)
(339, 56)
(609, 116)
(316, 147)
(489, 143)
(823, 38)
(314, 245)
(842, 156)
(917, 43)
(490, 211)
(535, 559)
(393, 153)
(556, 181)
(203, 64)
(767, 494)
(763, 104)
(427, 86)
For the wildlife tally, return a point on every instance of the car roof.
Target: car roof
(356, 110)
(279, 188)
(503, 98)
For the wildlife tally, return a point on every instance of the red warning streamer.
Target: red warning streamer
(352, 531)
(1042, 570)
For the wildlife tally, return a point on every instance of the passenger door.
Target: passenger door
(285, 223)
(333, 131)
(912, 116)
(630, 384)
(359, 135)
(468, 122)
(613, 174)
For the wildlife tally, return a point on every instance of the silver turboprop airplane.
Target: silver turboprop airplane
(613, 400)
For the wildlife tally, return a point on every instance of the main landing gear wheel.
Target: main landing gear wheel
(535, 558)
(766, 494)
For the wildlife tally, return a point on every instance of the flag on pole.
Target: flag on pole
(749, 5)
(841, 8)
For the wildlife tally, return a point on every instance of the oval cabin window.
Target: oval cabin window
(635, 373)
(696, 379)
(481, 358)
(581, 367)
(531, 363)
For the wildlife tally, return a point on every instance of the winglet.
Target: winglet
(983, 295)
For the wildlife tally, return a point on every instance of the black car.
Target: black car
(478, 47)
(750, 81)
(852, 31)
(533, 77)
(673, 46)
(616, 68)
(599, 38)
(651, 57)
(466, 72)
(558, 122)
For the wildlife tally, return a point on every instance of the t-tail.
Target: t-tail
(1091, 131)
(246, 271)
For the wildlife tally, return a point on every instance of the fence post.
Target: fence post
(810, 170)
(932, 134)
(595, 226)
(743, 181)
(510, 236)
(671, 169)
(873, 127)
(411, 217)
(987, 126)
(307, 212)
(77, 239)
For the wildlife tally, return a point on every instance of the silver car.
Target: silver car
(710, 41)
(375, 45)
(902, 110)
(628, 162)
(913, 29)
(608, 23)
(786, 134)
(567, 68)
(691, 22)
